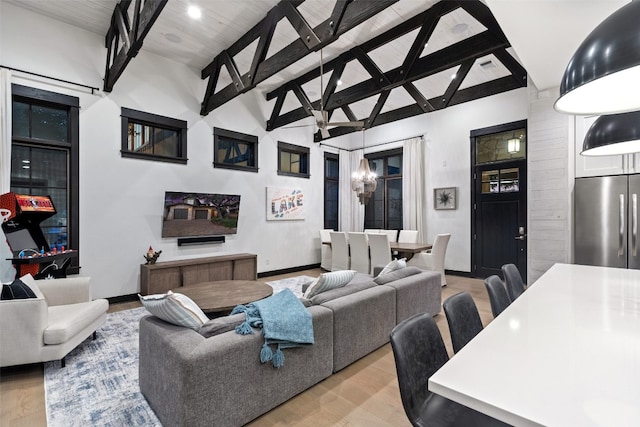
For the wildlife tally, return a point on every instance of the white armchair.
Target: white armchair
(433, 260)
(51, 325)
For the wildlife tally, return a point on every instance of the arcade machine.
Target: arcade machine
(21, 216)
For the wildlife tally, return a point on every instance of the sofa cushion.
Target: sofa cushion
(175, 308)
(16, 290)
(66, 321)
(220, 325)
(328, 281)
(396, 275)
(28, 280)
(394, 265)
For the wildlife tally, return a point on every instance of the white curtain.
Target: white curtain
(5, 130)
(7, 270)
(413, 186)
(350, 211)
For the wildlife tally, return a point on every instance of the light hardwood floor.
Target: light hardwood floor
(363, 394)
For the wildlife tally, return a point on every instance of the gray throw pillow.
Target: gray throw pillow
(396, 275)
(220, 325)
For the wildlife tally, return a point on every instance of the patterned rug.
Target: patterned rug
(293, 283)
(99, 385)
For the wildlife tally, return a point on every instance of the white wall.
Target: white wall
(121, 199)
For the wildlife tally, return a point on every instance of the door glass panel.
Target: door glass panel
(509, 180)
(490, 181)
(20, 119)
(502, 146)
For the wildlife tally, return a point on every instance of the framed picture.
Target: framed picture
(285, 204)
(444, 198)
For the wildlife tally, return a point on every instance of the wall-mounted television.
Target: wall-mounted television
(199, 214)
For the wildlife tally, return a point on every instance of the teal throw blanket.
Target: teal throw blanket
(284, 320)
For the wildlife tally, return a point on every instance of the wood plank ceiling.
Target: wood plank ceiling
(384, 60)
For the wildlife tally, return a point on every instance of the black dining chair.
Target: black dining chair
(419, 352)
(463, 319)
(513, 280)
(498, 296)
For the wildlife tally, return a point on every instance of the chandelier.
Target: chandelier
(363, 181)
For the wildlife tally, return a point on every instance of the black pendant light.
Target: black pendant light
(603, 76)
(613, 134)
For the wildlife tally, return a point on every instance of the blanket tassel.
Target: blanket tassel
(244, 329)
(278, 358)
(265, 354)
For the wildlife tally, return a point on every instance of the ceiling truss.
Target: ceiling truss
(124, 38)
(462, 54)
(345, 15)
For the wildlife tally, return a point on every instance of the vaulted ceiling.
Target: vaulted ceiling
(383, 60)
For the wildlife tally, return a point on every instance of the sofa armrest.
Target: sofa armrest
(69, 290)
(22, 325)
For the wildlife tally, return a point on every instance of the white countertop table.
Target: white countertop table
(566, 353)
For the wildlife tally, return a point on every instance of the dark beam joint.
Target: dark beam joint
(518, 72)
(377, 74)
(230, 64)
(461, 74)
(377, 108)
(336, 18)
(308, 37)
(276, 111)
(421, 101)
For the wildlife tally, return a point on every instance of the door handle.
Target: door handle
(621, 231)
(521, 237)
(634, 224)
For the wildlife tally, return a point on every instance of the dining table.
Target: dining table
(565, 353)
(402, 246)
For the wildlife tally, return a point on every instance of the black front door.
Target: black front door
(499, 200)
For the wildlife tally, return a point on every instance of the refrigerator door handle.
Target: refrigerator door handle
(621, 228)
(634, 224)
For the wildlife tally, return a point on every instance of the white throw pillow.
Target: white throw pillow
(328, 281)
(394, 265)
(175, 308)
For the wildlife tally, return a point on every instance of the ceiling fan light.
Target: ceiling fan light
(602, 76)
(613, 135)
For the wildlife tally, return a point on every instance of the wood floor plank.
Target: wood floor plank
(363, 394)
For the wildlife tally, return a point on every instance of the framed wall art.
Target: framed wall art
(444, 198)
(284, 204)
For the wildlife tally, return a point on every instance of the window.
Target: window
(44, 158)
(501, 147)
(152, 137)
(235, 150)
(331, 193)
(384, 210)
(293, 160)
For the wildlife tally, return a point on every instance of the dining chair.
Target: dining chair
(513, 280)
(433, 260)
(379, 250)
(419, 351)
(325, 250)
(391, 234)
(498, 297)
(463, 319)
(359, 250)
(408, 236)
(339, 251)
(371, 231)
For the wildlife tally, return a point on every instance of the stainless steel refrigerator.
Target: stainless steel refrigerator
(606, 221)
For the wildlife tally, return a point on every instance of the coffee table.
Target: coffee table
(223, 295)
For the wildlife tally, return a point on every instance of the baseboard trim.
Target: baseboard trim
(288, 270)
(122, 298)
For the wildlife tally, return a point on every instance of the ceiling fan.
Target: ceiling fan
(322, 116)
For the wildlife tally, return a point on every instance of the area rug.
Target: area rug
(293, 283)
(99, 386)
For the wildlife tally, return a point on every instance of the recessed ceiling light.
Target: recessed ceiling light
(339, 82)
(459, 28)
(194, 12)
(173, 38)
(453, 76)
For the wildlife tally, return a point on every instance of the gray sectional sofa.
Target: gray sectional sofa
(190, 380)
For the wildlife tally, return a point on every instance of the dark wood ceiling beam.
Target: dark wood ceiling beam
(517, 71)
(451, 56)
(376, 74)
(494, 87)
(277, 108)
(304, 30)
(453, 87)
(143, 18)
(355, 13)
(370, 121)
(266, 36)
(336, 18)
(421, 101)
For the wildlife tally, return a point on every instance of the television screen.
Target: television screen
(199, 214)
